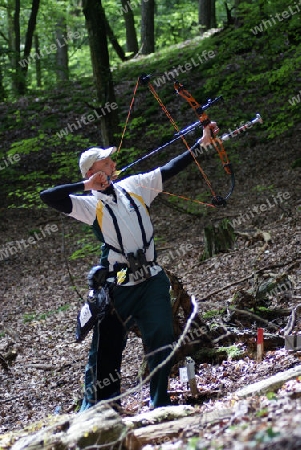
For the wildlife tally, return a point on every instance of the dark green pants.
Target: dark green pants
(148, 304)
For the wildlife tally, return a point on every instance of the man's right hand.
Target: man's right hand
(99, 181)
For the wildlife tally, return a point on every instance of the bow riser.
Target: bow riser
(197, 107)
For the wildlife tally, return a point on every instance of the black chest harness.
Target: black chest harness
(137, 264)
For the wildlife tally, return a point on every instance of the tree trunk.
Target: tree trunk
(11, 37)
(130, 31)
(96, 26)
(147, 27)
(38, 61)
(62, 60)
(2, 90)
(212, 14)
(204, 15)
(21, 71)
(16, 49)
(112, 38)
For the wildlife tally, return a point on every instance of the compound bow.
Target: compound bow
(203, 120)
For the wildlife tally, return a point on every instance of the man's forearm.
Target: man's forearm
(59, 196)
(179, 163)
(175, 166)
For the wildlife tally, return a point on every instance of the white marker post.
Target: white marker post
(191, 375)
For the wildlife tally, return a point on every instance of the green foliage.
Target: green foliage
(296, 163)
(159, 239)
(266, 435)
(29, 317)
(262, 412)
(263, 62)
(55, 164)
(271, 396)
(264, 188)
(27, 146)
(213, 313)
(175, 25)
(86, 245)
(85, 250)
(126, 156)
(66, 164)
(233, 352)
(160, 131)
(20, 198)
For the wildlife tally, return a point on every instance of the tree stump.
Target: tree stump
(218, 238)
(182, 308)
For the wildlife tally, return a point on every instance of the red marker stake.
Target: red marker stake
(259, 344)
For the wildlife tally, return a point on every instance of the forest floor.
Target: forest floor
(40, 301)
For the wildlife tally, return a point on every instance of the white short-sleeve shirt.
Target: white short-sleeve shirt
(92, 210)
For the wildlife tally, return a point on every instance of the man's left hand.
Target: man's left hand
(208, 133)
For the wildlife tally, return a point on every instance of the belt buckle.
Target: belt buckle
(122, 276)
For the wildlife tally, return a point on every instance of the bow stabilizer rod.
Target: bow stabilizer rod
(244, 127)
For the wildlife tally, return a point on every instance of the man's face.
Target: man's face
(107, 165)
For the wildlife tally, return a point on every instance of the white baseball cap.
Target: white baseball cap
(89, 157)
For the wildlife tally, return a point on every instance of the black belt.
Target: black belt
(123, 266)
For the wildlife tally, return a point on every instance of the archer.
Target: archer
(118, 212)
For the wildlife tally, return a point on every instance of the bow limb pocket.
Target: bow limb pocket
(93, 311)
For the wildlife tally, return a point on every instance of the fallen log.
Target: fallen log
(98, 426)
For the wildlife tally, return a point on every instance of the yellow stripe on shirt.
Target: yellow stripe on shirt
(140, 199)
(99, 213)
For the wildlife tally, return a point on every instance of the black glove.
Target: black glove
(97, 277)
(93, 311)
